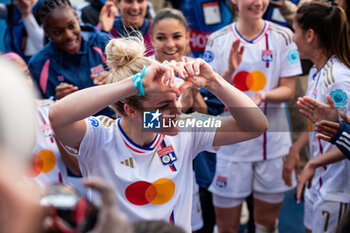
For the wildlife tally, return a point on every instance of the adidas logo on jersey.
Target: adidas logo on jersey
(128, 162)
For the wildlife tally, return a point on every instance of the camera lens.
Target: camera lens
(76, 211)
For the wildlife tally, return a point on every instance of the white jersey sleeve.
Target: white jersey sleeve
(290, 61)
(98, 131)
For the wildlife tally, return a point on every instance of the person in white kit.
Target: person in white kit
(321, 35)
(46, 166)
(266, 73)
(170, 37)
(150, 172)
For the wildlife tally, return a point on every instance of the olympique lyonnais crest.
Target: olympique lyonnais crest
(221, 181)
(266, 55)
(167, 155)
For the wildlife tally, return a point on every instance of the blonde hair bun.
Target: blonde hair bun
(123, 51)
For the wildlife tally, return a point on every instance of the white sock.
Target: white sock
(262, 229)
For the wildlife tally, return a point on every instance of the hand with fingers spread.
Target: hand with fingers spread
(64, 89)
(317, 111)
(100, 78)
(107, 14)
(234, 60)
(109, 219)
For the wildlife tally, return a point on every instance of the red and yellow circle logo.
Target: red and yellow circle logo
(245, 81)
(43, 162)
(158, 193)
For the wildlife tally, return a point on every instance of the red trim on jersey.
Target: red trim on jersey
(173, 168)
(320, 181)
(267, 48)
(137, 148)
(132, 148)
(161, 136)
(45, 125)
(172, 218)
(60, 178)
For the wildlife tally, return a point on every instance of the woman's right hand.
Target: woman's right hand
(292, 162)
(107, 14)
(64, 89)
(24, 7)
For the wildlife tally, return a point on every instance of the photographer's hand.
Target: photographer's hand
(109, 219)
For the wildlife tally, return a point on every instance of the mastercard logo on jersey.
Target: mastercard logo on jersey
(156, 193)
(43, 162)
(253, 81)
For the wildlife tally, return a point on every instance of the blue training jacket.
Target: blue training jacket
(342, 139)
(51, 66)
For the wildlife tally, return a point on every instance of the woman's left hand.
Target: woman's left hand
(100, 78)
(196, 73)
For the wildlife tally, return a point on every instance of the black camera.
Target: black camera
(69, 210)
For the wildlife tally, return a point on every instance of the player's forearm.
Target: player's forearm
(332, 156)
(241, 107)
(228, 75)
(279, 94)
(284, 92)
(301, 142)
(87, 102)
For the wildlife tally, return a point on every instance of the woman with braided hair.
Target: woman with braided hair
(74, 58)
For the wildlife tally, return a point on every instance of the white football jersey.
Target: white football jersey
(47, 166)
(333, 79)
(269, 56)
(152, 182)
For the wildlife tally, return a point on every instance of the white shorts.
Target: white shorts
(196, 214)
(308, 209)
(327, 215)
(239, 179)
